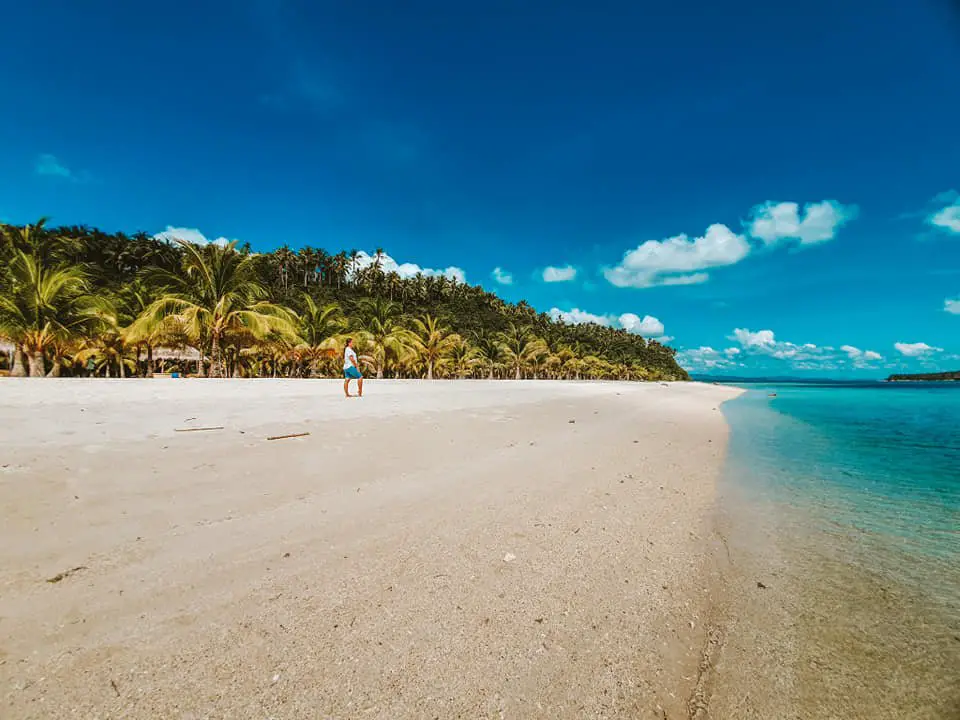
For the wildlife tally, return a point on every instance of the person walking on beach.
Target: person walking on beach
(351, 371)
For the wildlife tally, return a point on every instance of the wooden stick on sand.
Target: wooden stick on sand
(291, 435)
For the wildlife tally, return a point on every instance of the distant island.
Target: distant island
(953, 376)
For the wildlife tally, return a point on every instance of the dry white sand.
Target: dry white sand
(448, 549)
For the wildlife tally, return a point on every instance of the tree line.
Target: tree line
(78, 301)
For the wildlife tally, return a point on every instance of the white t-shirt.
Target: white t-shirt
(349, 355)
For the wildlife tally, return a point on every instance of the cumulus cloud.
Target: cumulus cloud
(190, 235)
(576, 316)
(947, 217)
(679, 260)
(860, 358)
(800, 356)
(816, 223)
(409, 270)
(705, 358)
(647, 326)
(758, 339)
(559, 274)
(952, 306)
(501, 276)
(919, 349)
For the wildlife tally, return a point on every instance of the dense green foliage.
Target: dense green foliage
(927, 377)
(79, 301)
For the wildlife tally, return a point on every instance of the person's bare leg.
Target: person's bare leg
(360, 386)
(346, 387)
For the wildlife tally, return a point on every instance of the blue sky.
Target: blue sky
(768, 183)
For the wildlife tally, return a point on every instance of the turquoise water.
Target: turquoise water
(844, 501)
(875, 467)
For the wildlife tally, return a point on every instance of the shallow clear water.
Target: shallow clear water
(875, 468)
(845, 501)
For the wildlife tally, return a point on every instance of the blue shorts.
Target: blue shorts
(351, 373)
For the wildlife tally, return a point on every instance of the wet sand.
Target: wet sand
(448, 549)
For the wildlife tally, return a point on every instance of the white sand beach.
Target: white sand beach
(446, 549)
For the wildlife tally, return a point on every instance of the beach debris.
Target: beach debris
(66, 573)
(276, 679)
(576, 531)
(115, 688)
(571, 422)
(286, 554)
(509, 557)
(189, 419)
(199, 429)
(538, 620)
(290, 435)
(761, 585)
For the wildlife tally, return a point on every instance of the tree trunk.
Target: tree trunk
(123, 368)
(18, 366)
(55, 370)
(150, 365)
(137, 367)
(216, 369)
(430, 370)
(490, 376)
(379, 372)
(36, 364)
(518, 372)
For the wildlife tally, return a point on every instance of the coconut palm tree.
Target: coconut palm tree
(519, 346)
(43, 306)
(379, 323)
(432, 342)
(462, 358)
(318, 328)
(487, 347)
(215, 295)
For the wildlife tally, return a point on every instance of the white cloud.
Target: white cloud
(576, 316)
(919, 349)
(50, 166)
(409, 270)
(948, 217)
(190, 235)
(773, 222)
(805, 356)
(501, 276)
(952, 306)
(860, 358)
(678, 260)
(559, 274)
(664, 339)
(758, 339)
(704, 358)
(647, 326)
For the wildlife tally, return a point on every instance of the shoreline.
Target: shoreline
(557, 565)
(824, 626)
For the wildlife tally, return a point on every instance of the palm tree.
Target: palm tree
(432, 342)
(379, 323)
(318, 328)
(519, 346)
(216, 295)
(43, 306)
(463, 358)
(487, 349)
